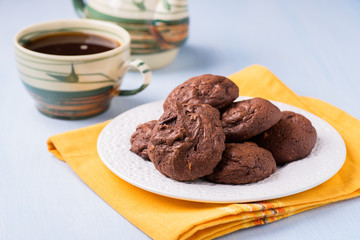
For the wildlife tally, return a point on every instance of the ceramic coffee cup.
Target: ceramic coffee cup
(76, 86)
(157, 27)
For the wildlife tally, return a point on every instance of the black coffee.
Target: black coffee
(71, 43)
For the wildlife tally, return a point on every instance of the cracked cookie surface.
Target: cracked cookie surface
(187, 142)
(292, 138)
(243, 163)
(217, 91)
(140, 138)
(245, 119)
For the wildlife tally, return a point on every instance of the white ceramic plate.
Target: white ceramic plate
(324, 161)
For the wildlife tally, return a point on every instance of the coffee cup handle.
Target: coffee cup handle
(145, 71)
(79, 6)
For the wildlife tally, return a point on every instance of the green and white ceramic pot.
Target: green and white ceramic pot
(75, 87)
(157, 27)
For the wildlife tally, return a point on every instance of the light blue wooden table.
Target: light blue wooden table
(312, 46)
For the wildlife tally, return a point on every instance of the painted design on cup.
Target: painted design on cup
(76, 87)
(157, 27)
(63, 77)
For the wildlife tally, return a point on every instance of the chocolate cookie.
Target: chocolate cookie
(292, 138)
(140, 138)
(243, 163)
(217, 91)
(187, 142)
(245, 119)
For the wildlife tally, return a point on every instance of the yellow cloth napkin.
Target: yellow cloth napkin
(166, 218)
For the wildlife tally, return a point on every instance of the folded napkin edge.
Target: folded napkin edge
(53, 149)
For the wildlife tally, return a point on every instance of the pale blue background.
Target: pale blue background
(312, 46)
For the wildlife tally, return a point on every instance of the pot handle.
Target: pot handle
(79, 6)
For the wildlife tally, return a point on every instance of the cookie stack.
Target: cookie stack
(203, 133)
